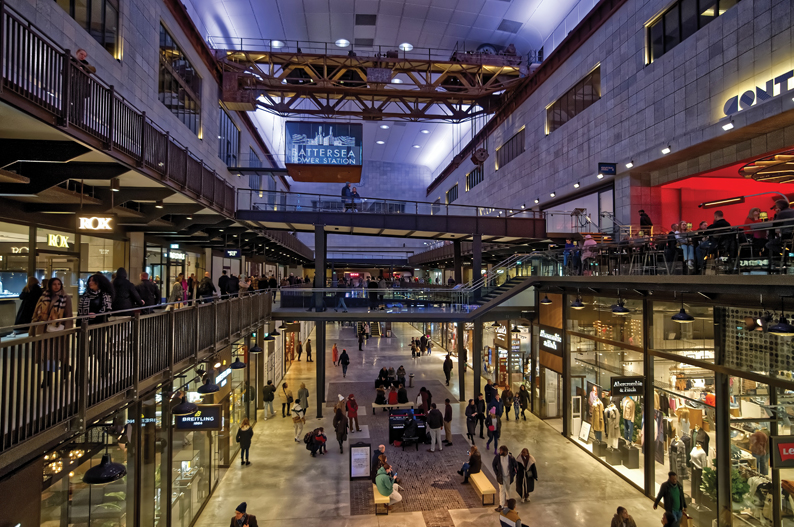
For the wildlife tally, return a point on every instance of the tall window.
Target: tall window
(452, 194)
(99, 17)
(254, 180)
(474, 178)
(575, 101)
(228, 139)
(179, 84)
(681, 21)
(511, 149)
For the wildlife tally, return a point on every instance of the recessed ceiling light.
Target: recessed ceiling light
(405, 46)
(425, 131)
(417, 146)
(342, 43)
(397, 81)
(277, 44)
(380, 142)
(384, 127)
(666, 150)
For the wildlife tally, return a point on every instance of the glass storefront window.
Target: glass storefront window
(599, 320)
(154, 458)
(14, 254)
(694, 340)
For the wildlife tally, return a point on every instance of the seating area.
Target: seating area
(380, 499)
(483, 487)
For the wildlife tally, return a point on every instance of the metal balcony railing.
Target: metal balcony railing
(56, 382)
(38, 70)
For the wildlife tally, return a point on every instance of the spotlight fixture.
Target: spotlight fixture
(238, 364)
(342, 43)
(545, 300)
(600, 175)
(523, 206)
(576, 185)
(630, 164)
(115, 184)
(417, 146)
(208, 387)
(728, 126)
(425, 131)
(191, 217)
(380, 142)
(217, 365)
(682, 317)
(396, 81)
(537, 200)
(666, 150)
(553, 194)
(255, 350)
(184, 408)
(405, 46)
(158, 204)
(277, 44)
(384, 127)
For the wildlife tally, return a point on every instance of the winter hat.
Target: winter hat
(352, 396)
(242, 507)
(493, 410)
(341, 397)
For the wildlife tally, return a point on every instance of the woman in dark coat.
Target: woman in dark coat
(473, 466)
(244, 435)
(125, 294)
(340, 425)
(97, 301)
(471, 421)
(30, 296)
(523, 400)
(526, 475)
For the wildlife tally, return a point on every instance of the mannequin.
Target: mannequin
(612, 419)
(628, 418)
(677, 456)
(699, 462)
(683, 420)
(591, 399)
(598, 418)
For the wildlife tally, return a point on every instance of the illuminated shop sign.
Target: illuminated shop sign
(782, 451)
(628, 385)
(607, 169)
(771, 88)
(174, 255)
(207, 417)
(58, 240)
(232, 253)
(221, 379)
(175, 246)
(95, 223)
(321, 143)
(550, 340)
(19, 250)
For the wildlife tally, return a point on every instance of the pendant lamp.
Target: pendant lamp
(238, 364)
(515, 329)
(208, 387)
(184, 408)
(275, 332)
(268, 337)
(545, 300)
(620, 309)
(283, 325)
(682, 317)
(782, 328)
(496, 324)
(106, 471)
(255, 349)
(577, 304)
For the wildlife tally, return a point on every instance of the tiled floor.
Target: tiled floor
(285, 486)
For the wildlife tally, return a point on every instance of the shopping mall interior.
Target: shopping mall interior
(246, 246)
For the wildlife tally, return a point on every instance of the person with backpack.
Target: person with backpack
(352, 412)
(268, 395)
(344, 360)
(206, 289)
(286, 398)
(298, 420)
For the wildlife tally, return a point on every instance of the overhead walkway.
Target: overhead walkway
(387, 217)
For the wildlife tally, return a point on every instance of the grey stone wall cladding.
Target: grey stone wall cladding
(676, 100)
(135, 76)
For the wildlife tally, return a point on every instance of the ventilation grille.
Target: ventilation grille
(510, 26)
(364, 42)
(366, 20)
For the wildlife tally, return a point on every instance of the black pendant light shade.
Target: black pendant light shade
(782, 328)
(682, 317)
(496, 324)
(184, 408)
(255, 349)
(208, 387)
(268, 337)
(620, 309)
(545, 300)
(105, 472)
(275, 332)
(283, 325)
(238, 364)
(515, 329)
(577, 304)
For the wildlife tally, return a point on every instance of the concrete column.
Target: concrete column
(461, 363)
(32, 251)
(319, 363)
(648, 399)
(137, 256)
(457, 262)
(509, 342)
(320, 246)
(207, 263)
(476, 260)
(476, 356)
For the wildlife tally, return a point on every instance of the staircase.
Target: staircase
(493, 293)
(374, 327)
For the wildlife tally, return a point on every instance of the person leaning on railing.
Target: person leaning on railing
(53, 305)
(97, 301)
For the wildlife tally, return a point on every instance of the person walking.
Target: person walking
(286, 398)
(672, 492)
(149, 292)
(54, 304)
(360, 341)
(309, 350)
(340, 298)
(125, 296)
(352, 412)
(471, 421)
(177, 295)
(481, 413)
(526, 475)
(494, 425)
(244, 435)
(424, 399)
(268, 395)
(97, 301)
(496, 402)
(206, 289)
(303, 398)
(344, 360)
(473, 465)
(429, 346)
(233, 285)
(30, 296)
(447, 423)
(299, 349)
(507, 402)
(223, 281)
(622, 519)
(298, 420)
(504, 466)
(241, 519)
(448, 367)
(335, 354)
(435, 422)
(423, 344)
(509, 517)
(523, 400)
(489, 391)
(340, 425)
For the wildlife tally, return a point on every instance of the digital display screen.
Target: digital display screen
(323, 143)
(207, 418)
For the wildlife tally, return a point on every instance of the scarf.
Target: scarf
(84, 307)
(49, 307)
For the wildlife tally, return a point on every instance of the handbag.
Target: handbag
(491, 428)
(54, 328)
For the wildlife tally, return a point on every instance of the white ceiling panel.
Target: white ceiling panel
(459, 32)
(496, 8)
(487, 22)
(363, 31)
(416, 10)
(315, 6)
(366, 7)
(470, 6)
(437, 14)
(448, 4)
(463, 18)
(319, 28)
(391, 8)
(344, 6)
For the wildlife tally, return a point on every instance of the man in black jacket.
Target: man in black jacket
(481, 413)
(504, 467)
(673, 494)
(206, 288)
(127, 296)
(233, 285)
(268, 394)
(435, 422)
(489, 391)
(448, 367)
(222, 283)
(710, 243)
(149, 292)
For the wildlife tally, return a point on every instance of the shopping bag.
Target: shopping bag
(686, 521)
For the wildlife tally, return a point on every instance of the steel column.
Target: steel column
(476, 261)
(319, 363)
(457, 261)
(648, 399)
(476, 357)
(566, 371)
(461, 362)
(320, 246)
(722, 425)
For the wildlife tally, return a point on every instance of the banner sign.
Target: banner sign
(323, 143)
(608, 169)
(360, 459)
(628, 385)
(550, 339)
(206, 418)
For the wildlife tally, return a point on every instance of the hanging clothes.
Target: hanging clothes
(677, 456)
(598, 417)
(656, 400)
(659, 422)
(664, 404)
(687, 448)
(683, 420)
(703, 438)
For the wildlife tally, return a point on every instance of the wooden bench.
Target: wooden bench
(390, 406)
(380, 499)
(483, 486)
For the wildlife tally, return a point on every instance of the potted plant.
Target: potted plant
(739, 487)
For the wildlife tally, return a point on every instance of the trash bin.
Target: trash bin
(411, 380)
(388, 333)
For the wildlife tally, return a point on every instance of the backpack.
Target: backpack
(307, 439)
